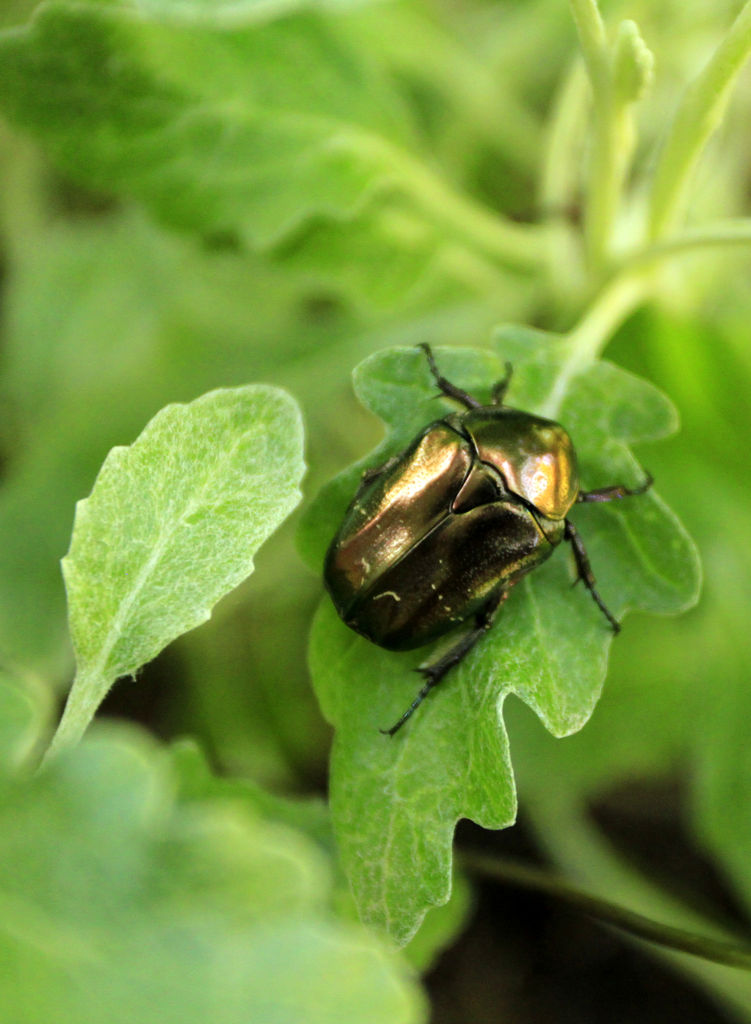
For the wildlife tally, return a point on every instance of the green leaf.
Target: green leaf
(241, 131)
(171, 526)
(24, 714)
(442, 925)
(390, 252)
(216, 130)
(124, 903)
(312, 817)
(116, 310)
(91, 310)
(395, 801)
(230, 12)
(198, 783)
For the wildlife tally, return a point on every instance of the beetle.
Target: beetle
(439, 534)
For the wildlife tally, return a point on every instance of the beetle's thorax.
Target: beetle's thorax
(534, 456)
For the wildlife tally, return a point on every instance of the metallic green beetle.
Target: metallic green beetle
(439, 534)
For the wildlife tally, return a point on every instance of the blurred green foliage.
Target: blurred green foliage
(196, 196)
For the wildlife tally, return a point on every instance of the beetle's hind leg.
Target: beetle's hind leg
(585, 574)
(445, 386)
(435, 672)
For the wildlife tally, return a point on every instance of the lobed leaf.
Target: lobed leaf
(171, 526)
(395, 801)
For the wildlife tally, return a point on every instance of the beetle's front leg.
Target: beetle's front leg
(445, 386)
(369, 475)
(435, 672)
(584, 569)
(616, 491)
(501, 386)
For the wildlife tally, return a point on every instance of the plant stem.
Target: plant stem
(515, 245)
(564, 831)
(697, 117)
(613, 145)
(559, 184)
(627, 288)
(565, 136)
(716, 235)
(591, 30)
(612, 134)
(84, 698)
(620, 296)
(678, 939)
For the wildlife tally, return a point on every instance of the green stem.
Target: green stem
(699, 114)
(624, 291)
(584, 343)
(86, 694)
(577, 847)
(612, 134)
(592, 39)
(516, 245)
(559, 185)
(565, 135)
(613, 145)
(511, 872)
(717, 235)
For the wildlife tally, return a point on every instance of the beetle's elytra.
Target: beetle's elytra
(439, 534)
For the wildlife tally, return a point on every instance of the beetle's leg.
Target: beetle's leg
(445, 386)
(616, 491)
(434, 673)
(369, 475)
(584, 569)
(580, 554)
(501, 386)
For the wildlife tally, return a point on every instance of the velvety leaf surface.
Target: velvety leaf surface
(395, 801)
(216, 130)
(263, 124)
(171, 526)
(124, 903)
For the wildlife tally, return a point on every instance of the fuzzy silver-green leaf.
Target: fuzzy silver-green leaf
(171, 526)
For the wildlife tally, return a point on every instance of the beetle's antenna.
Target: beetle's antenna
(445, 386)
